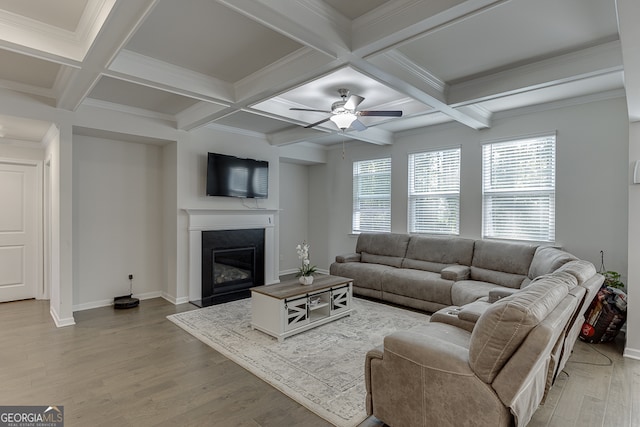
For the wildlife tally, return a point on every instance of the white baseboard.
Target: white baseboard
(631, 353)
(60, 323)
(108, 302)
(173, 300)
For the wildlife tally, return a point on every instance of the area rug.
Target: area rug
(322, 368)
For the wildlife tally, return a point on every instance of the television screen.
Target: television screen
(231, 176)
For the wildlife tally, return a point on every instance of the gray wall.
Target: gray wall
(591, 186)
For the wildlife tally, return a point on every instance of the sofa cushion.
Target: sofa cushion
(418, 284)
(442, 250)
(393, 261)
(434, 267)
(548, 259)
(506, 323)
(364, 275)
(467, 291)
(507, 257)
(501, 278)
(388, 244)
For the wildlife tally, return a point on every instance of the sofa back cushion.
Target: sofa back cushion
(435, 253)
(382, 248)
(548, 259)
(505, 324)
(580, 269)
(502, 263)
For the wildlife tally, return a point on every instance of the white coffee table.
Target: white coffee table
(288, 308)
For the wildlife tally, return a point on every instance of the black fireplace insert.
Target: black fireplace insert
(232, 263)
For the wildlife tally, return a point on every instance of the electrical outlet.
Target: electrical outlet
(131, 277)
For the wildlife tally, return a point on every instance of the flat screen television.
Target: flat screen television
(231, 176)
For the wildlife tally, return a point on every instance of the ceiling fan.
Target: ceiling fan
(344, 113)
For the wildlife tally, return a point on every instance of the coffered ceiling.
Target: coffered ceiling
(244, 64)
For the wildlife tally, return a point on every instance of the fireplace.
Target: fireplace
(232, 263)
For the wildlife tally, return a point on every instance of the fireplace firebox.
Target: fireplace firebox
(232, 263)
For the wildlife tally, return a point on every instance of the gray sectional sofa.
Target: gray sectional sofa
(431, 273)
(506, 318)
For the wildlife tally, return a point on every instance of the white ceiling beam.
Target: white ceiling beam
(125, 18)
(295, 135)
(597, 60)
(401, 85)
(200, 114)
(400, 66)
(628, 12)
(310, 22)
(399, 21)
(147, 71)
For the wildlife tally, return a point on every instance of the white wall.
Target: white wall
(294, 225)
(591, 199)
(633, 284)
(118, 220)
(191, 172)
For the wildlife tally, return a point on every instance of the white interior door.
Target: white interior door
(18, 231)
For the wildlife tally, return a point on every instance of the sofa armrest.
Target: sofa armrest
(455, 272)
(498, 293)
(471, 312)
(353, 257)
(431, 351)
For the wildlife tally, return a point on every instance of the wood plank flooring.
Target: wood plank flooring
(135, 368)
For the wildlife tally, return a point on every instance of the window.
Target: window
(434, 192)
(372, 195)
(518, 189)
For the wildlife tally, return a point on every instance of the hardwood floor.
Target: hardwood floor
(135, 368)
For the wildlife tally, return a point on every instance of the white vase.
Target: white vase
(305, 280)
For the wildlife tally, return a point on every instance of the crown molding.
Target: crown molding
(25, 88)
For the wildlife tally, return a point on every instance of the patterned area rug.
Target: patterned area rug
(322, 368)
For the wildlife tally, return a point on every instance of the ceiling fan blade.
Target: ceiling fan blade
(309, 109)
(352, 102)
(358, 125)
(316, 123)
(390, 113)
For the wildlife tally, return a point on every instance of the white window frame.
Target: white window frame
(518, 190)
(359, 212)
(436, 196)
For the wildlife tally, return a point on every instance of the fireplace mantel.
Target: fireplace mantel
(221, 219)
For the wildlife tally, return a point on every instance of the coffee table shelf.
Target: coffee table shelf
(289, 308)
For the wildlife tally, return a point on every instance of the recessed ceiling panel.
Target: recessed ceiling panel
(64, 14)
(133, 95)
(207, 37)
(515, 31)
(27, 70)
(320, 94)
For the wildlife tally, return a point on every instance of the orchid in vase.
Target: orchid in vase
(306, 270)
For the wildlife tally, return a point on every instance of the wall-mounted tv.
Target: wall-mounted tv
(231, 176)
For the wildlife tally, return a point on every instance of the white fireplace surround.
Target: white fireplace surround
(207, 219)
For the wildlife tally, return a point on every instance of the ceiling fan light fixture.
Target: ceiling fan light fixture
(343, 120)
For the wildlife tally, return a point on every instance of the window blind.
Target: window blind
(518, 189)
(434, 192)
(372, 195)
